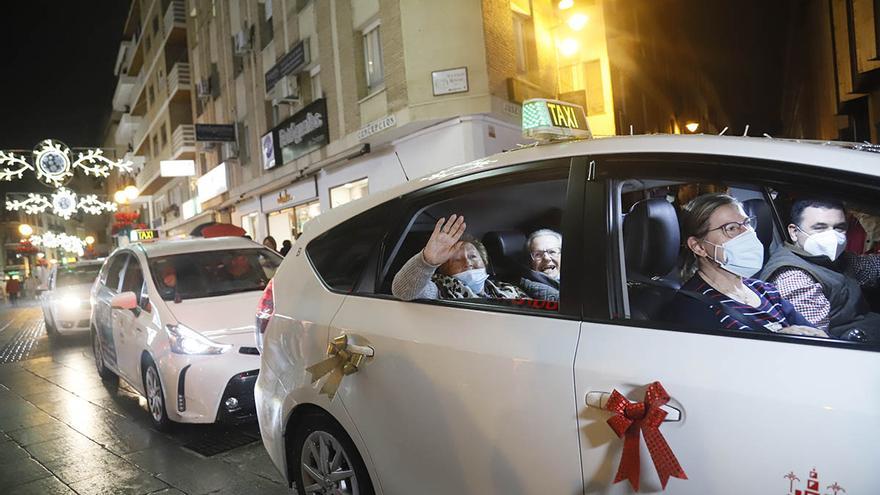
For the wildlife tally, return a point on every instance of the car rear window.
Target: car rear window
(77, 275)
(213, 273)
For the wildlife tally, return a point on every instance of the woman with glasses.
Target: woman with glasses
(545, 255)
(722, 253)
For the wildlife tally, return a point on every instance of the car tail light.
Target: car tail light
(265, 310)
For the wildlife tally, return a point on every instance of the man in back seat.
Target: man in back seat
(544, 247)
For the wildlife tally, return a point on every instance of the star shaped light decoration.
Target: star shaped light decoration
(53, 163)
(63, 202)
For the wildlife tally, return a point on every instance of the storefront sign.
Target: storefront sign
(215, 132)
(213, 183)
(291, 63)
(304, 132)
(268, 150)
(292, 194)
(177, 168)
(377, 126)
(449, 81)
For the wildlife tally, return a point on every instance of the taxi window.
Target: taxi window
(506, 253)
(133, 279)
(740, 258)
(114, 274)
(213, 273)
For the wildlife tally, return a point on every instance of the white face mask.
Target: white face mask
(744, 254)
(475, 279)
(830, 243)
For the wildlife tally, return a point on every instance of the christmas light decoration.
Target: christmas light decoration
(53, 164)
(63, 202)
(66, 242)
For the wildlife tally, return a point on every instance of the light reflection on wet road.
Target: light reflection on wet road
(63, 431)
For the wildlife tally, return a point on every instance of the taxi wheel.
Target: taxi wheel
(104, 372)
(325, 461)
(155, 398)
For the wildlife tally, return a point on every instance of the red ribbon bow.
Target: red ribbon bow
(630, 419)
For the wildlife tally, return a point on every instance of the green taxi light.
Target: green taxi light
(545, 119)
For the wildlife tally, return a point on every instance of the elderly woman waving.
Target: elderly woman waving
(450, 266)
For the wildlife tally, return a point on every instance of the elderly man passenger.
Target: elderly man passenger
(450, 266)
(545, 255)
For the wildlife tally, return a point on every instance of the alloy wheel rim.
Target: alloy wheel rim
(154, 394)
(325, 466)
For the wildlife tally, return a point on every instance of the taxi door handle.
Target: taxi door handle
(597, 400)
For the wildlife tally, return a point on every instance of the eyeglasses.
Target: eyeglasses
(552, 252)
(733, 229)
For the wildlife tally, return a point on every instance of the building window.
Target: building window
(348, 192)
(156, 145)
(243, 143)
(524, 36)
(156, 25)
(315, 76)
(267, 31)
(373, 57)
(147, 42)
(288, 224)
(163, 134)
(304, 213)
(151, 96)
(249, 224)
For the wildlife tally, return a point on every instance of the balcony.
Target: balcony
(175, 21)
(123, 93)
(128, 125)
(182, 146)
(179, 80)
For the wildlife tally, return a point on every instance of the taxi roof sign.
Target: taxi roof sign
(545, 119)
(143, 235)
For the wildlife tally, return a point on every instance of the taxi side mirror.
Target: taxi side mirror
(124, 300)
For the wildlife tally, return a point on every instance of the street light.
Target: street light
(90, 240)
(131, 192)
(692, 126)
(568, 47)
(577, 21)
(566, 4)
(120, 197)
(25, 230)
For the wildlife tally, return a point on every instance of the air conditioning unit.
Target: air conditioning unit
(243, 43)
(285, 91)
(203, 88)
(230, 150)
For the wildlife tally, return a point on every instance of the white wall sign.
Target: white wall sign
(450, 81)
(377, 126)
(190, 208)
(213, 183)
(177, 168)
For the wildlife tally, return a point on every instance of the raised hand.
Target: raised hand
(444, 241)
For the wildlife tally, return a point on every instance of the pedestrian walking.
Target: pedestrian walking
(13, 287)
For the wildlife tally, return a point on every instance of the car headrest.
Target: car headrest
(510, 244)
(759, 209)
(651, 238)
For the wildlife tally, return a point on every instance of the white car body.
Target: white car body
(470, 400)
(66, 308)
(193, 384)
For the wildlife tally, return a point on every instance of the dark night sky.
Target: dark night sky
(57, 61)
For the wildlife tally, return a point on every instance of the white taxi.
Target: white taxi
(174, 319)
(66, 305)
(472, 383)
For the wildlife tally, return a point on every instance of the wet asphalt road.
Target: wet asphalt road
(62, 431)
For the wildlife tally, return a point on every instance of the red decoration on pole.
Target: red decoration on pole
(634, 419)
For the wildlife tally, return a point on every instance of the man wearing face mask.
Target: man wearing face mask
(821, 280)
(450, 266)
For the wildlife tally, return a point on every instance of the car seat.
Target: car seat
(651, 243)
(507, 254)
(760, 210)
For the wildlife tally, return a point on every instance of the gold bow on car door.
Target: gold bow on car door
(345, 355)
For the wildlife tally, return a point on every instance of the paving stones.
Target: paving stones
(62, 431)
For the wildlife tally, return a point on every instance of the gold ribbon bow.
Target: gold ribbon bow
(343, 358)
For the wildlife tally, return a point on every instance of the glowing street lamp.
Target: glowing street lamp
(120, 197)
(565, 4)
(692, 126)
(577, 21)
(25, 230)
(131, 192)
(89, 240)
(568, 47)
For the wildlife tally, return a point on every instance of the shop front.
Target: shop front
(288, 209)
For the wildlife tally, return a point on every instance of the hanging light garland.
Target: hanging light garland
(67, 243)
(63, 202)
(53, 163)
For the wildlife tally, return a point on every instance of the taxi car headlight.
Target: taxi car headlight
(69, 301)
(187, 341)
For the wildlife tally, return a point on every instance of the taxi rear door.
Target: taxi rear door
(746, 413)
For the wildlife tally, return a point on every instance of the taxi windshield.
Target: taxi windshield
(77, 275)
(213, 273)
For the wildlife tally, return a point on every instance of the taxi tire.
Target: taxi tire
(323, 423)
(164, 423)
(106, 374)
